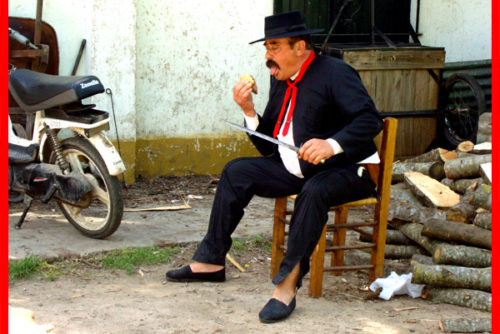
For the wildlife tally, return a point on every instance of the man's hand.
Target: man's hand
(242, 94)
(315, 150)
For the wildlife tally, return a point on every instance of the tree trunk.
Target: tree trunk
(406, 207)
(413, 231)
(475, 299)
(437, 154)
(463, 233)
(431, 192)
(434, 169)
(460, 255)
(461, 325)
(446, 276)
(465, 146)
(482, 197)
(465, 167)
(422, 259)
(483, 220)
(401, 251)
(392, 237)
(462, 213)
(462, 185)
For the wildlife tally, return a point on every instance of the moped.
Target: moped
(58, 150)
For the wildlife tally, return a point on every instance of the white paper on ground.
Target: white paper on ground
(397, 285)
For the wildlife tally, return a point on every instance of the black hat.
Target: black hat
(285, 25)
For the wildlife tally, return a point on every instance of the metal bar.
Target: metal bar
(418, 17)
(38, 22)
(79, 57)
(410, 113)
(334, 24)
(384, 37)
(372, 21)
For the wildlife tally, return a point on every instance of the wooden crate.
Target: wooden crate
(399, 82)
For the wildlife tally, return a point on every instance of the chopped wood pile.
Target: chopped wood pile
(440, 210)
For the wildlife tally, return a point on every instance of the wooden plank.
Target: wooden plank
(394, 58)
(431, 191)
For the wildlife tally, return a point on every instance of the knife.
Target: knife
(266, 137)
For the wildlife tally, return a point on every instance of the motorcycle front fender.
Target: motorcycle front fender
(109, 154)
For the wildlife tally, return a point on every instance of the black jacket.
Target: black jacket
(331, 103)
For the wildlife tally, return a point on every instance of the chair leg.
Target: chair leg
(317, 267)
(339, 239)
(379, 238)
(277, 252)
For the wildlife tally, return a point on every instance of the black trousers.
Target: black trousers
(243, 178)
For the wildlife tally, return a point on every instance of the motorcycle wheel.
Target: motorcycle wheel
(99, 213)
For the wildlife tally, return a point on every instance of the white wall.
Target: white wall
(189, 55)
(462, 27)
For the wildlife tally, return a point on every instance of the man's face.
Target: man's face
(282, 58)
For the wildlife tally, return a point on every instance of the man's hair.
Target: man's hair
(305, 38)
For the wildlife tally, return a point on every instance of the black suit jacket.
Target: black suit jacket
(331, 103)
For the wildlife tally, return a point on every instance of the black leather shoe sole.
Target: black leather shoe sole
(275, 311)
(185, 274)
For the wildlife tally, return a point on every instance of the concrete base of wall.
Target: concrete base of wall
(157, 156)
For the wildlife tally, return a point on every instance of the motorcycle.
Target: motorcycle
(57, 150)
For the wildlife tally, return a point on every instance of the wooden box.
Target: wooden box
(399, 82)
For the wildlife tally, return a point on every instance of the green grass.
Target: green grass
(258, 241)
(26, 268)
(129, 259)
(124, 259)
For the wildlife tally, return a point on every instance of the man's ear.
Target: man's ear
(300, 47)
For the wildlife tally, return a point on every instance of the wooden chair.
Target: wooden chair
(382, 174)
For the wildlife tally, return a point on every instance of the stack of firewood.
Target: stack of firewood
(441, 202)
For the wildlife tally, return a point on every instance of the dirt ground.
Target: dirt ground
(112, 301)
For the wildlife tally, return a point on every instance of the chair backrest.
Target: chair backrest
(382, 173)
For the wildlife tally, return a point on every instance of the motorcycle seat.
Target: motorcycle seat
(22, 154)
(36, 91)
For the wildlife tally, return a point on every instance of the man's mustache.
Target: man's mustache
(270, 63)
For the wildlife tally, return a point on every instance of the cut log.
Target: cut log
(402, 251)
(413, 231)
(392, 237)
(483, 148)
(465, 167)
(479, 300)
(422, 259)
(446, 276)
(462, 185)
(404, 206)
(483, 220)
(434, 169)
(482, 197)
(461, 325)
(465, 146)
(485, 172)
(465, 155)
(462, 212)
(437, 154)
(461, 255)
(462, 233)
(430, 191)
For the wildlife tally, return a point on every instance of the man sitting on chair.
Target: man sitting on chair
(320, 104)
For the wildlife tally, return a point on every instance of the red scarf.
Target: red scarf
(291, 90)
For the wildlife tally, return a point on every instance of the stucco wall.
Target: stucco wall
(462, 27)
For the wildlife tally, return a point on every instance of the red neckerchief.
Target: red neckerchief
(291, 90)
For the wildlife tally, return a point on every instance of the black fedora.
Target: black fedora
(285, 25)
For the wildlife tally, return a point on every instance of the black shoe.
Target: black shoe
(185, 274)
(275, 311)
